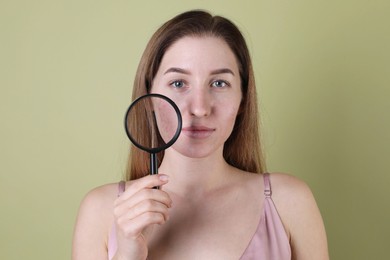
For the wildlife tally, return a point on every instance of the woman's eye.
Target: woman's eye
(177, 84)
(219, 84)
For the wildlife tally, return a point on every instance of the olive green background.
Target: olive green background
(67, 66)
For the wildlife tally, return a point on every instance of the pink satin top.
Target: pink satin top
(270, 241)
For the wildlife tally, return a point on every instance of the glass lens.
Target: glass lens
(153, 122)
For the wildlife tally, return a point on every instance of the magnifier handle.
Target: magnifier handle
(153, 166)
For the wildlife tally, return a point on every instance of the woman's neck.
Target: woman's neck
(195, 176)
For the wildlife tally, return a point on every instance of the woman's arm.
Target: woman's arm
(93, 224)
(301, 217)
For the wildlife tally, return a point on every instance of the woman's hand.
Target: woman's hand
(136, 211)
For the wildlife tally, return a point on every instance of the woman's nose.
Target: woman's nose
(200, 103)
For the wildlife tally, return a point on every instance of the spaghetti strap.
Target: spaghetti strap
(121, 187)
(270, 240)
(267, 185)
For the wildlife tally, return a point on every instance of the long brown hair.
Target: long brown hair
(242, 149)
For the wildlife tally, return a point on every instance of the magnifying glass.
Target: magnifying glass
(153, 123)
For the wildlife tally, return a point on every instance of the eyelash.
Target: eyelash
(223, 82)
(174, 82)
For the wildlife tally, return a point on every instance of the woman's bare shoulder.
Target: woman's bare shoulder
(288, 185)
(291, 196)
(101, 196)
(300, 215)
(94, 221)
(99, 202)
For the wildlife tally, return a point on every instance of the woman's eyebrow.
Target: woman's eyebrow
(183, 71)
(177, 70)
(222, 71)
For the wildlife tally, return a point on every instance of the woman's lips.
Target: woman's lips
(197, 131)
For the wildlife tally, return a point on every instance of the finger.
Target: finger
(144, 207)
(151, 195)
(149, 181)
(148, 194)
(133, 228)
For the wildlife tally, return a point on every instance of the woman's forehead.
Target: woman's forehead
(207, 52)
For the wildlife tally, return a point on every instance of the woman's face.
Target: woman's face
(201, 75)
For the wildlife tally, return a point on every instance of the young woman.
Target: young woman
(215, 200)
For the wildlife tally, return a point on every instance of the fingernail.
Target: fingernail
(163, 177)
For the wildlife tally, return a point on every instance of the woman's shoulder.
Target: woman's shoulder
(98, 201)
(95, 218)
(100, 198)
(291, 195)
(103, 193)
(300, 214)
(284, 184)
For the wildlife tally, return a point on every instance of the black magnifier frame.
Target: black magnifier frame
(153, 151)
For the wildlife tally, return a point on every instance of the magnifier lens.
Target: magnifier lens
(153, 123)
